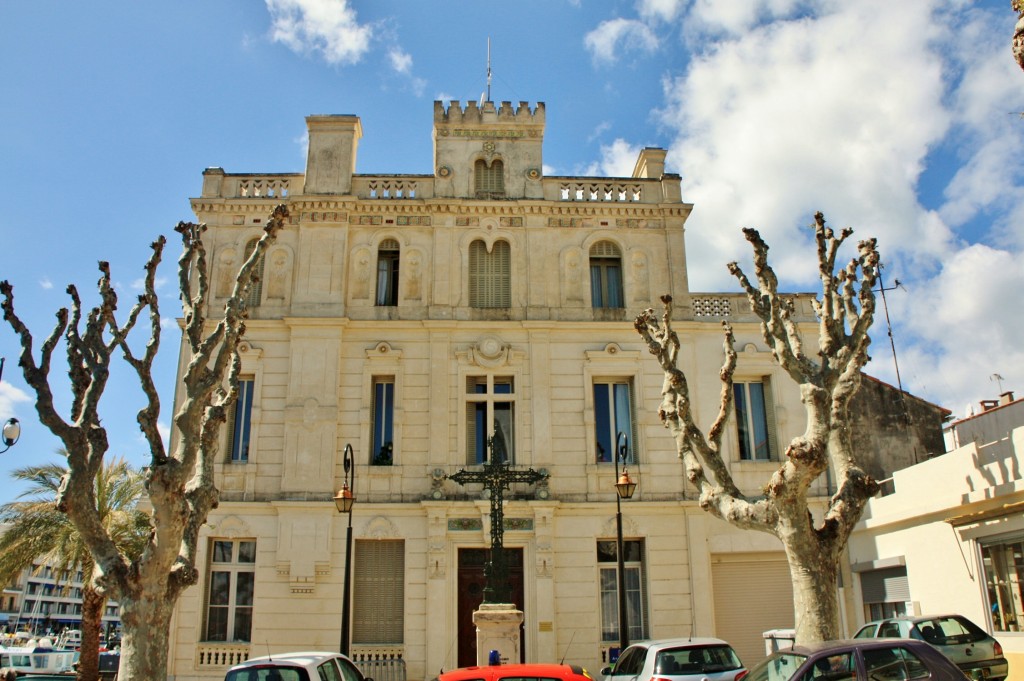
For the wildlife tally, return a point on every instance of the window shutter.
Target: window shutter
(769, 416)
(256, 291)
(379, 592)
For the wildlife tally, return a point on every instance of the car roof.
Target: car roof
(528, 669)
(815, 647)
(677, 642)
(914, 618)
(299, 658)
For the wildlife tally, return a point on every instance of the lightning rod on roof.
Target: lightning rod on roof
(488, 68)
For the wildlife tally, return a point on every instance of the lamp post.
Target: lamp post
(345, 499)
(12, 428)
(624, 488)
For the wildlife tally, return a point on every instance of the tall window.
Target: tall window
(1004, 576)
(489, 180)
(382, 452)
(755, 420)
(633, 562)
(605, 275)
(256, 292)
(613, 414)
(387, 272)
(490, 412)
(378, 592)
(490, 275)
(230, 595)
(241, 421)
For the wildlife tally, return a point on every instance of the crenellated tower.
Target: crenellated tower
(488, 152)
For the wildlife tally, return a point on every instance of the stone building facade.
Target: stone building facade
(414, 316)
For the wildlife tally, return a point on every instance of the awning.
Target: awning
(979, 516)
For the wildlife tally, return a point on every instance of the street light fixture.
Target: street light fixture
(11, 433)
(624, 488)
(344, 500)
(12, 428)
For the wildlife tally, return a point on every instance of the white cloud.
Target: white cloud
(328, 27)
(400, 61)
(617, 160)
(616, 35)
(164, 429)
(843, 107)
(664, 10)
(45, 283)
(10, 396)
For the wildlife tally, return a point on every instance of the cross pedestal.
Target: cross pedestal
(497, 628)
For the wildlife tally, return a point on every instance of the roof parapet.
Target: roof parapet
(474, 113)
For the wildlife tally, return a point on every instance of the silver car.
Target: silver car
(305, 666)
(979, 655)
(677, 659)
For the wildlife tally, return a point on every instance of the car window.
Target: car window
(328, 671)
(916, 668)
(780, 666)
(696, 660)
(630, 662)
(837, 667)
(349, 672)
(267, 673)
(867, 631)
(954, 630)
(884, 664)
(889, 629)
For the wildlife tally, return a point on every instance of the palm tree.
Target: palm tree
(39, 533)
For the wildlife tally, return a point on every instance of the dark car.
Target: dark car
(519, 672)
(961, 640)
(857, 660)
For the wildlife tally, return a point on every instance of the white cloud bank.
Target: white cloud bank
(791, 106)
(328, 27)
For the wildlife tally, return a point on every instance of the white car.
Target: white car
(305, 666)
(677, 659)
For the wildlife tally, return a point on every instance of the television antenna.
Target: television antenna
(888, 325)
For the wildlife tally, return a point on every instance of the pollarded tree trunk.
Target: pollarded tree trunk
(828, 376)
(146, 623)
(179, 483)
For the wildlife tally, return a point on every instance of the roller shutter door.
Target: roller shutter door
(752, 594)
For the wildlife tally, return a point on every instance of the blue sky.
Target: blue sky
(901, 120)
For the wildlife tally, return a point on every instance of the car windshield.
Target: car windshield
(267, 673)
(696, 660)
(952, 630)
(780, 666)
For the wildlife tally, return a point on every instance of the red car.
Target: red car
(519, 672)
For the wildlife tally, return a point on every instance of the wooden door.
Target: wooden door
(471, 595)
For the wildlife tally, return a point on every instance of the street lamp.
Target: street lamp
(345, 499)
(11, 433)
(11, 429)
(624, 488)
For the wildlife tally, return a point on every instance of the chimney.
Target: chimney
(331, 160)
(650, 163)
(1006, 398)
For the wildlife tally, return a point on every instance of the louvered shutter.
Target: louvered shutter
(379, 592)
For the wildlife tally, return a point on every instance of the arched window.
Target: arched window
(489, 180)
(489, 275)
(605, 275)
(387, 272)
(256, 292)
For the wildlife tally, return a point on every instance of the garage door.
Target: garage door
(752, 594)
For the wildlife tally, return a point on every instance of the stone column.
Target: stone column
(497, 628)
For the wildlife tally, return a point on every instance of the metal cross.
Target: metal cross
(496, 477)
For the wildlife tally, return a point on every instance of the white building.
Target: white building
(412, 316)
(950, 538)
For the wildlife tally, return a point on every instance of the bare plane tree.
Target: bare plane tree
(1018, 32)
(828, 379)
(179, 483)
